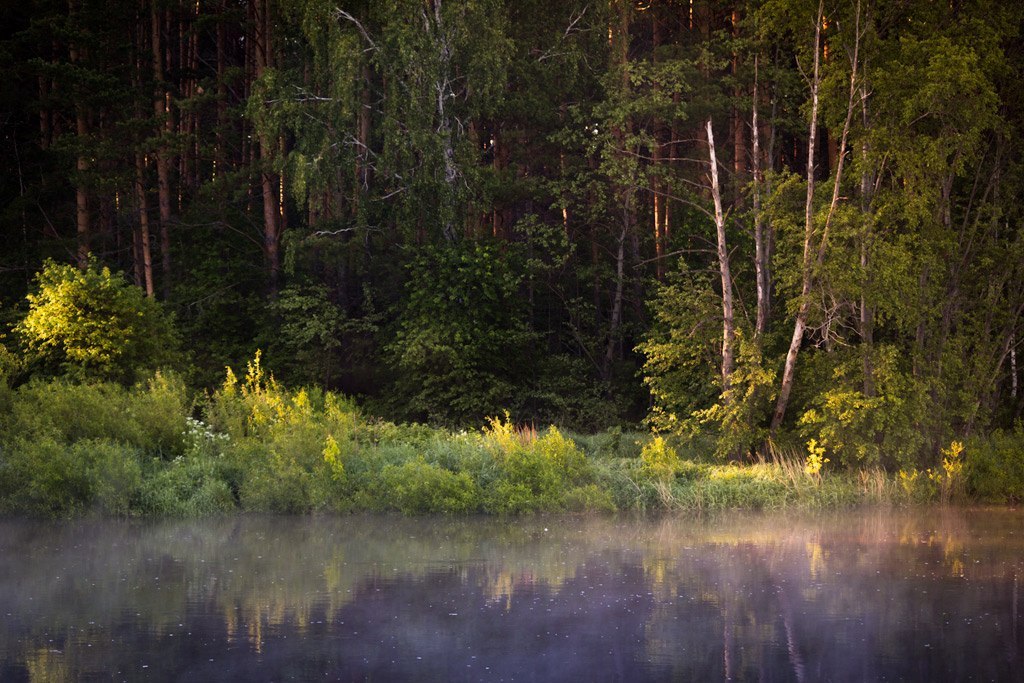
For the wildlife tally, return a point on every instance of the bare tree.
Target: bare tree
(728, 328)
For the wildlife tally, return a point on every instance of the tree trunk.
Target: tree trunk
(45, 134)
(143, 209)
(739, 146)
(161, 100)
(363, 151)
(220, 162)
(618, 36)
(761, 254)
(728, 331)
(615, 320)
(867, 310)
(268, 182)
(1013, 366)
(82, 226)
(656, 161)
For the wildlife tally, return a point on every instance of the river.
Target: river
(867, 595)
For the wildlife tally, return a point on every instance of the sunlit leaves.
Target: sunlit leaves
(92, 323)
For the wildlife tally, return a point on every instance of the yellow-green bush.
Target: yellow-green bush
(420, 487)
(660, 460)
(546, 467)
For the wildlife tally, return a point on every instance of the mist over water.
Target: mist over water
(865, 595)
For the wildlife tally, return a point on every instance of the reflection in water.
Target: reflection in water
(878, 595)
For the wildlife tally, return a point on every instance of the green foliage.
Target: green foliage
(462, 348)
(262, 447)
(861, 430)
(91, 324)
(994, 466)
(728, 489)
(47, 478)
(682, 357)
(315, 338)
(187, 487)
(680, 350)
(534, 472)
(150, 417)
(659, 459)
(43, 477)
(420, 487)
(737, 419)
(115, 474)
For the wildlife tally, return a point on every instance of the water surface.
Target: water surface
(855, 596)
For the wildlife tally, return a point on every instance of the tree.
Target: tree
(92, 324)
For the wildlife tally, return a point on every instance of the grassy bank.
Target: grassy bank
(153, 449)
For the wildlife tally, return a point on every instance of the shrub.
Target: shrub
(660, 460)
(531, 472)
(867, 431)
(115, 475)
(44, 477)
(995, 466)
(418, 486)
(93, 324)
(462, 347)
(187, 487)
(589, 498)
(278, 484)
(150, 417)
(545, 467)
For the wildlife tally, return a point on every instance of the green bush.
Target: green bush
(867, 431)
(115, 475)
(660, 460)
(93, 324)
(278, 484)
(150, 416)
(43, 477)
(589, 498)
(546, 467)
(47, 478)
(420, 487)
(995, 466)
(530, 472)
(462, 348)
(187, 487)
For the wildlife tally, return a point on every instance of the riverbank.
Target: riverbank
(69, 449)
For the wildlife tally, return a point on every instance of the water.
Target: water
(854, 596)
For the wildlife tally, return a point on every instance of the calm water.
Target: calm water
(865, 596)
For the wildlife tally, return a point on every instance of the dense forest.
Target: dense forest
(740, 224)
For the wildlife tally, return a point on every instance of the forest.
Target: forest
(701, 237)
